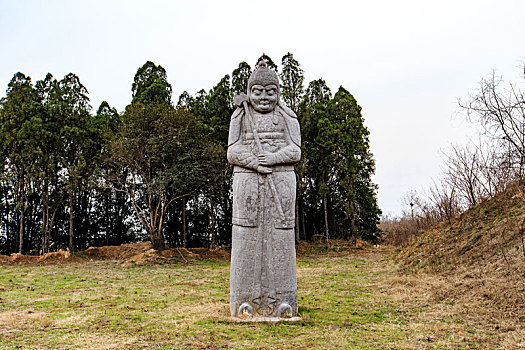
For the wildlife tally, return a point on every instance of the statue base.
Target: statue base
(257, 319)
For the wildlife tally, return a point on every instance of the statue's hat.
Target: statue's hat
(262, 75)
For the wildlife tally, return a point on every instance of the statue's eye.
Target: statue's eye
(270, 92)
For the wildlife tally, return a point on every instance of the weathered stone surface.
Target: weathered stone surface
(264, 143)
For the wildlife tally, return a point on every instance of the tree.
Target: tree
(317, 93)
(107, 117)
(501, 113)
(219, 111)
(77, 140)
(291, 92)
(20, 119)
(163, 150)
(185, 100)
(111, 208)
(353, 167)
(212, 111)
(292, 78)
(269, 62)
(49, 182)
(220, 108)
(318, 146)
(240, 77)
(337, 165)
(463, 173)
(197, 105)
(312, 169)
(444, 204)
(166, 157)
(150, 85)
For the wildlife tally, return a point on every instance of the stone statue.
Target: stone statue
(264, 143)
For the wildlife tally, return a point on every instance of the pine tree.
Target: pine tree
(269, 62)
(240, 77)
(20, 120)
(292, 78)
(150, 84)
(353, 167)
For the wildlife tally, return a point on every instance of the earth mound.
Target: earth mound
(127, 254)
(153, 256)
(481, 253)
(143, 254)
(61, 255)
(17, 258)
(120, 252)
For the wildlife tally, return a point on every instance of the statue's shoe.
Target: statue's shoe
(245, 310)
(285, 311)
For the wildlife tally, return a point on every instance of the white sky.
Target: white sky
(406, 62)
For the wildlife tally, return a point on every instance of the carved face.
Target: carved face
(264, 98)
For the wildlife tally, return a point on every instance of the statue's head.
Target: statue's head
(263, 88)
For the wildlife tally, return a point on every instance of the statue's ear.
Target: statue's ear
(235, 126)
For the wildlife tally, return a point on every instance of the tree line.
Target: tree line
(72, 177)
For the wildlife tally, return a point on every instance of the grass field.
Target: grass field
(351, 299)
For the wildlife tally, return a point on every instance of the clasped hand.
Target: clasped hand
(265, 160)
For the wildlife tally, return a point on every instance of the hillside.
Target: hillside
(481, 254)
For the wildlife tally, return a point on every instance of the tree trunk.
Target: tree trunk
(22, 210)
(157, 236)
(297, 196)
(43, 229)
(21, 230)
(213, 233)
(352, 224)
(71, 216)
(7, 230)
(297, 238)
(45, 218)
(327, 236)
(184, 231)
(157, 239)
(105, 216)
(6, 219)
(303, 224)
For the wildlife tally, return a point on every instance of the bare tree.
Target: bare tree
(445, 201)
(501, 112)
(463, 173)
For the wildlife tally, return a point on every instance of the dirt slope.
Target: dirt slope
(482, 255)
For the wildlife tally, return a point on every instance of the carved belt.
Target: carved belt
(271, 135)
(275, 169)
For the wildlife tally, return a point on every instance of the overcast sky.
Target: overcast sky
(406, 62)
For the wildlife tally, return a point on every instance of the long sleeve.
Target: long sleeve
(241, 155)
(289, 154)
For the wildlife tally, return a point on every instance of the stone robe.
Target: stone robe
(263, 270)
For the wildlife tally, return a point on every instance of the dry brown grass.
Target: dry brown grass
(479, 260)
